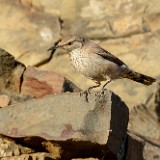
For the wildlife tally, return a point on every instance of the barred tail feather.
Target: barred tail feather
(140, 78)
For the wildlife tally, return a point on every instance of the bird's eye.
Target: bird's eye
(69, 43)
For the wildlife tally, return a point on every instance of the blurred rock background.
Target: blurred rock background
(130, 29)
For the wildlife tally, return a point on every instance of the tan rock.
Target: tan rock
(34, 156)
(127, 25)
(153, 21)
(144, 118)
(142, 122)
(53, 148)
(151, 152)
(4, 100)
(10, 148)
(10, 73)
(27, 33)
(106, 19)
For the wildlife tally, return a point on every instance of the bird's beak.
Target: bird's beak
(53, 48)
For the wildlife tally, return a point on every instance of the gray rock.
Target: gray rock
(68, 117)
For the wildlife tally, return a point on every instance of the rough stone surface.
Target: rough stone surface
(103, 121)
(34, 156)
(148, 127)
(10, 73)
(148, 116)
(39, 83)
(20, 83)
(151, 152)
(11, 77)
(128, 29)
(140, 149)
(9, 148)
(27, 32)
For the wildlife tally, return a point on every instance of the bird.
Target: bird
(97, 63)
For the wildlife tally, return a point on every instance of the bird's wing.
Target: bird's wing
(108, 56)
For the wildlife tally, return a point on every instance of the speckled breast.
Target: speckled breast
(88, 65)
(93, 66)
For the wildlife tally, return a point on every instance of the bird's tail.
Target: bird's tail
(140, 78)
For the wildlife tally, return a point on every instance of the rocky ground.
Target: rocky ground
(42, 115)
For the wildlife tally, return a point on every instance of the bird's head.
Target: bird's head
(69, 43)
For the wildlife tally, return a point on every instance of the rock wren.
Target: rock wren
(97, 63)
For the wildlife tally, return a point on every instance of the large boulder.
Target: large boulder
(96, 128)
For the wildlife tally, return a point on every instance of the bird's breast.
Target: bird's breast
(92, 65)
(79, 61)
(86, 64)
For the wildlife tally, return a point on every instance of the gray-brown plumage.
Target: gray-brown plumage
(98, 64)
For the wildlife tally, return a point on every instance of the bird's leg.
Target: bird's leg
(86, 92)
(103, 88)
(90, 88)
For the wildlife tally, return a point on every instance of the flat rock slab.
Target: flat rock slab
(69, 117)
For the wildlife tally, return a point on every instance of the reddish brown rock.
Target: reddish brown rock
(16, 80)
(38, 83)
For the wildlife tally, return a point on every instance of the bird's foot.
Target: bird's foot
(86, 92)
(100, 93)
